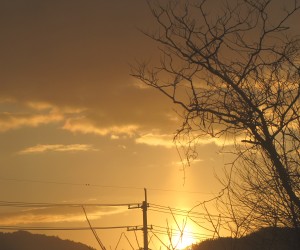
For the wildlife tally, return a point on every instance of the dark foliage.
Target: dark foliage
(264, 239)
(23, 240)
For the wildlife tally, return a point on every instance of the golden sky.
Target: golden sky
(75, 127)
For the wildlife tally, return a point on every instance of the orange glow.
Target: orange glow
(187, 238)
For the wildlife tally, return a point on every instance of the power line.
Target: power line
(61, 228)
(182, 212)
(155, 230)
(175, 234)
(179, 191)
(102, 186)
(178, 232)
(94, 231)
(152, 207)
(68, 183)
(172, 210)
(35, 204)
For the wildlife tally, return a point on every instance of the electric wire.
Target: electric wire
(173, 232)
(93, 230)
(30, 228)
(123, 234)
(171, 235)
(182, 212)
(203, 217)
(102, 186)
(119, 240)
(152, 207)
(35, 204)
(178, 214)
(178, 231)
(137, 241)
(128, 241)
(155, 230)
(159, 239)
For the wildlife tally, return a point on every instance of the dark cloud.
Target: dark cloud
(77, 54)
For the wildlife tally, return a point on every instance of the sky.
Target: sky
(76, 128)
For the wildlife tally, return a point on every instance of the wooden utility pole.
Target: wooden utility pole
(144, 207)
(145, 223)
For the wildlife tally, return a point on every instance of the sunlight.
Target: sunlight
(188, 238)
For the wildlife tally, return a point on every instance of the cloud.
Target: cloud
(114, 137)
(222, 141)
(39, 105)
(72, 119)
(10, 121)
(156, 138)
(82, 125)
(58, 148)
(140, 85)
(202, 139)
(56, 214)
(164, 140)
(44, 106)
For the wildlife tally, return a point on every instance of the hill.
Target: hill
(266, 238)
(22, 240)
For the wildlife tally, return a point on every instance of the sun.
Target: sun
(184, 242)
(186, 239)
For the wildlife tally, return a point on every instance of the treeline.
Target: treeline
(266, 238)
(22, 240)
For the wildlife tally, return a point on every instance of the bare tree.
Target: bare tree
(233, 69)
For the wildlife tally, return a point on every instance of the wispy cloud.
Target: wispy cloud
(44, 106)
(164, 140)
(167, 140)
(41, 148)
(55, 215)
(71, 119)
(140, 85)
(10, 121)
(219, 141)
(82, 125)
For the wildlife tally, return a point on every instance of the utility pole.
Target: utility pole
(144, 207)
(145, 224)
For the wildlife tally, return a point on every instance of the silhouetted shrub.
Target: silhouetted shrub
(264, 239)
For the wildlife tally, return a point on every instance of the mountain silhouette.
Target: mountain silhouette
(22, 240)
(264, 239)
